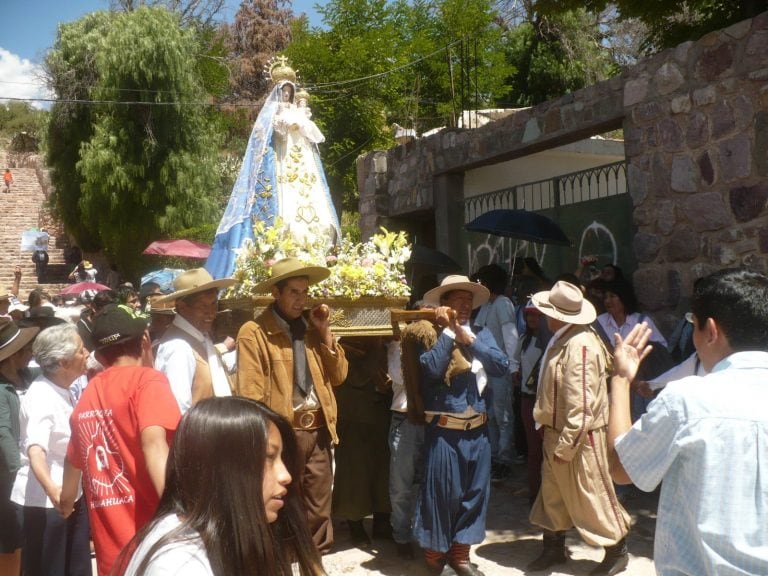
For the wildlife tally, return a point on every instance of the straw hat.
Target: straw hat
(291, 268)
(194, 281)
(480, 293)
(162, 308)
(565, 302)
(87, 265)
(13, 338)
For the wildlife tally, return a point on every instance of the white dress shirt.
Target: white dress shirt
(44, 420)
(176, 359)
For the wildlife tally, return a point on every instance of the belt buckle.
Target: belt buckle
(468, 425)
(307, 419)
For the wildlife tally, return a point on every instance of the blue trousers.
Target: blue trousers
(501, 419)
(453, 502)
(405, 472)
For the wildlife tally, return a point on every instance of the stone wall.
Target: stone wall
(696, 140)
(695, 122)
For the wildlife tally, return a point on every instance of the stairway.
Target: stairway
(21, 209)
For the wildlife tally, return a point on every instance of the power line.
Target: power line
(385, 73)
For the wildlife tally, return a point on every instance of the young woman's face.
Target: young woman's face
(276, 475)
(613, 304)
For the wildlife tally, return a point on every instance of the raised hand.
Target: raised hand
(628, 353)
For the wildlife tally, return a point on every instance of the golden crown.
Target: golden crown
(277, 70)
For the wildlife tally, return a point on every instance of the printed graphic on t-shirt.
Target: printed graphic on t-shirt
(104, 467)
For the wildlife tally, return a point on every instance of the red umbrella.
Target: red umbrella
(183, 248)
(80, 287)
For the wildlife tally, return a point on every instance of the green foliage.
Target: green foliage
(18, 117)
(356, 97)
(555, 54)
(670, 23)
(141, 164)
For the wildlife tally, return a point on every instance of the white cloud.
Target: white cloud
(20, 78)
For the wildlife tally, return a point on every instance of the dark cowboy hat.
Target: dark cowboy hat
(41, 317)
(13, 338)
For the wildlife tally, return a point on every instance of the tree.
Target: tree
(375, 63)
(190, 12)
(16, 117)
(670, 23)
(139, 163)
(261, 29)
(556, 53)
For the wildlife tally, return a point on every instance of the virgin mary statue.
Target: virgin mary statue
(281, 175)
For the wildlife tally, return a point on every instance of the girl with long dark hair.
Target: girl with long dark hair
(230, 506)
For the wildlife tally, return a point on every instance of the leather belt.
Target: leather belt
(308, 419)
(455, 423)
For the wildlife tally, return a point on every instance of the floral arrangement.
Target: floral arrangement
(372, 268)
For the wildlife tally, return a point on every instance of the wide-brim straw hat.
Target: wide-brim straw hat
(13, 338)
(565, 302)
(163, 308)
(480, 293)
(193, 281)
(291, 268)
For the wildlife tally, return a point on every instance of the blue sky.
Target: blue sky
(29, 29)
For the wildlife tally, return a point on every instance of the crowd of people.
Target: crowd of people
(125, 423)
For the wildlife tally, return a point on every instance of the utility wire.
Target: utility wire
(317, 88)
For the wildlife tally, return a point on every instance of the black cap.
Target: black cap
(117, 323)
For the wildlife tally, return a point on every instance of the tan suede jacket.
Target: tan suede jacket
(265, 367)
(573, 393)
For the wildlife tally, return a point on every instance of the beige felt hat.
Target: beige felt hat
(192, 282)
(565, 302)
(480, 293)
(291, 268)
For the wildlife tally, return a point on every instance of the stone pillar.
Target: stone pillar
(372, 182)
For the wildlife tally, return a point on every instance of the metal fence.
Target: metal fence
(599, 182)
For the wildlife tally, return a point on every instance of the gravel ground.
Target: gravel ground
(510, 543)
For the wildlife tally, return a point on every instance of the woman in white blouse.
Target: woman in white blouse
(52, 545)
(620, 316)
(229, 506)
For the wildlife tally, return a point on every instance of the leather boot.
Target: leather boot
(615, 560)
(435, 561)
(458, 559)
(553, 553)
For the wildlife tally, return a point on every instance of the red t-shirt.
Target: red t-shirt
(106, 445)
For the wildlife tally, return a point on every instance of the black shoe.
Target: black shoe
(548, 558)
(405, 550)
(553, 554)
(382, 527)
(357, 534)
(616, 560)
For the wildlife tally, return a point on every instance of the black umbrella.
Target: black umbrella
(430, 261)
(520, 224)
